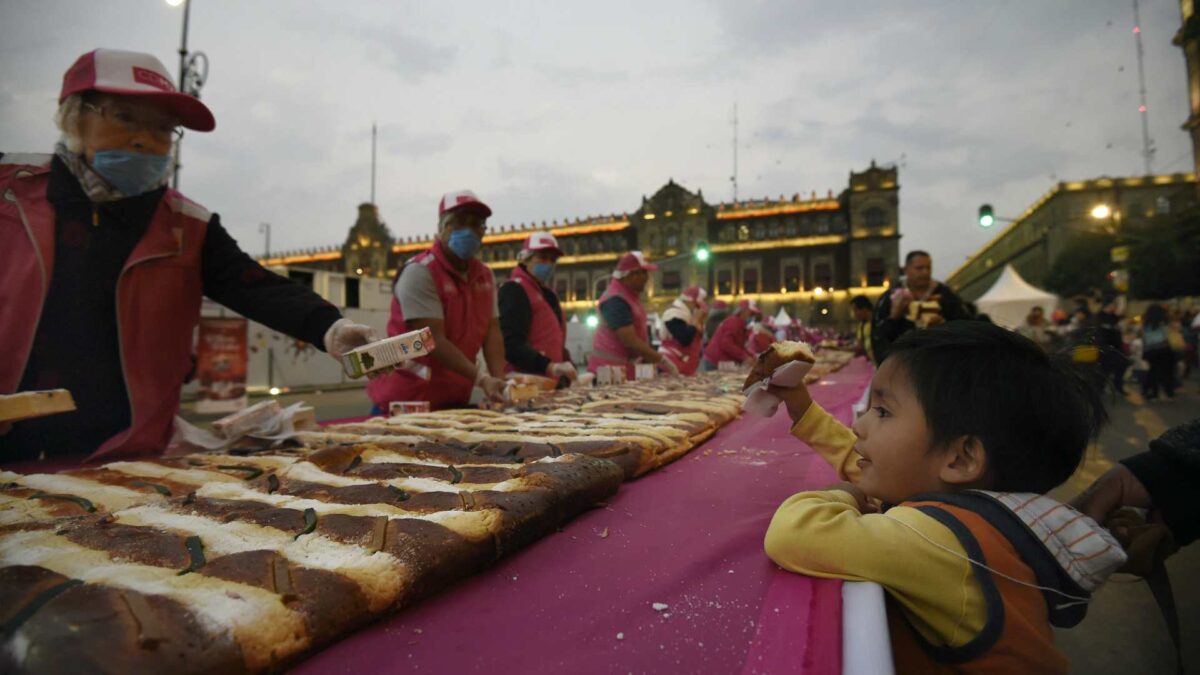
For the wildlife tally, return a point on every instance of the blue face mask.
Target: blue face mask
(133, 173)
(542, 271)
(464, 243)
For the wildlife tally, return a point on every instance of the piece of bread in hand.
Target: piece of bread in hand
(779, 354)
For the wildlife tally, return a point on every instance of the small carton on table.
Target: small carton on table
(644, 371)
(407, 407)
(387, 352)
(240, 423)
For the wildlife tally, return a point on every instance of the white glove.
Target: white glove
(668, 366)
(562, 369)
(345, 335)
(493, 387)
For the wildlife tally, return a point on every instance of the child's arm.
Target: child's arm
(914, 557)
(829, 437)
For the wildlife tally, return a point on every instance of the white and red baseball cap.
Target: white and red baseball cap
(694, 293)
(634, 261)
(113, 71)
(463, 199)
(540, 241)
(750, 305)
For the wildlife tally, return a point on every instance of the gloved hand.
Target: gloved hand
(493, 388)
(668, 366)
(562, 369)
(345, 335)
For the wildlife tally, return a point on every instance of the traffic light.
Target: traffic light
(703, 253)
(986, 216)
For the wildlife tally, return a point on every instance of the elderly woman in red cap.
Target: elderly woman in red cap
(103, 268)
(531, 318)
(684, 323)
(448, 290)
(728, 343)
(623, 337)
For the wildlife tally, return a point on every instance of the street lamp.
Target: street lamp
(1101, 211)
(193, 73)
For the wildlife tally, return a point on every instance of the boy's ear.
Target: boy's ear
(965, 461)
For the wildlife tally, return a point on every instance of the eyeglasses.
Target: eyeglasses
(135, 120)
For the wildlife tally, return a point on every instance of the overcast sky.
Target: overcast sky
(563, 109)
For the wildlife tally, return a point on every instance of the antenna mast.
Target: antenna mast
(734, 177)
(372, 162)
(1147, 144)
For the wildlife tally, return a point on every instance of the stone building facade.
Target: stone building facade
(807, 255)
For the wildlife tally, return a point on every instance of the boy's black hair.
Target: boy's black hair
(1034, 412)
(860, 302)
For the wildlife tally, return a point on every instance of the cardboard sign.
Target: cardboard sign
(221, 360)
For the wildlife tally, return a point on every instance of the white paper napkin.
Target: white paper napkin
(763, 403)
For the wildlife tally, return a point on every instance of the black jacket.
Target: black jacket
(1170, 470)
(516, 314)
(888, 330)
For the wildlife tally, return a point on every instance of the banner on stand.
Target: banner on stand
(221, 360)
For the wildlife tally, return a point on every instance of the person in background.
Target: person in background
(920, 303)
(1113, 361)
(684, 323)
(103, 268)
(717, 311)
(860, 309)
(729, 341)
(1036, 328)
(623, 337)
(1156, 350)
(449, 291)
(760, 336)
(531, 318)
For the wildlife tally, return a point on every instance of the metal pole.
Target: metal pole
(372, 162)
(187, 6)
(265, 228)
(1147, 144)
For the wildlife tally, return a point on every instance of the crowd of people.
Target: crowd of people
(967, 426)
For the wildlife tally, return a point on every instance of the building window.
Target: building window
(581, 289)
(823, 275)
(743, 232)
(875, 271)
(1162, 205)
(724, 282)
(791, 278)
(601, 286)
(776, 230)
(560, 288)
(750, 280)
(728, 234)
(823, 225)
(792, 228)
(760, 231)
(352, 295)
(672, 238)
(873, 217)
(671, 280)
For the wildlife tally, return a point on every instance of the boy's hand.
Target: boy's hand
(865, 505)
(797, 399)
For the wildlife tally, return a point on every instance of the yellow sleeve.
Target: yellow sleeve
(832, 439)
(916, 559)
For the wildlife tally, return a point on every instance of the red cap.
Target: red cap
(750, 305)
(113, 71)
(541, 241)
(695, 294)
(633, 261)
(463, 199)
(720, 304)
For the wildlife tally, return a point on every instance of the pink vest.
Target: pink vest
(467, 303)
(546, 329)
(158, 299)
(686, 359)
(607, 349)
(727, 343)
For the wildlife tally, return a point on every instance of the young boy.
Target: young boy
(969, 424)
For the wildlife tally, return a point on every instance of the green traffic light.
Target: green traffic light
(702, 252)
(987, 217)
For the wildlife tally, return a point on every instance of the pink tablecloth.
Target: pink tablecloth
(688, 536)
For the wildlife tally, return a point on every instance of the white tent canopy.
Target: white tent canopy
(782, 318)
(1009, 300)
